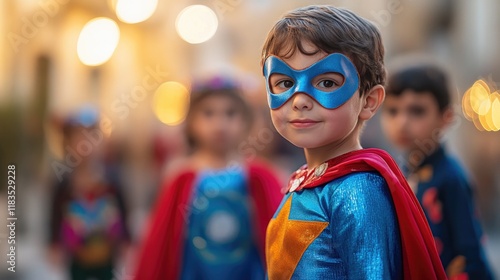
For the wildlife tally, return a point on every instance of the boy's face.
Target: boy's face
(412, 119)
(218, 123)
(301, 119)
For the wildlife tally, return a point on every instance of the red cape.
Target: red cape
(161, 254)
(420, 257)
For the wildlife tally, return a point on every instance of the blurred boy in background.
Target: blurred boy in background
(416, 111)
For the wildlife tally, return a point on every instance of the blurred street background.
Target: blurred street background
(133, 62)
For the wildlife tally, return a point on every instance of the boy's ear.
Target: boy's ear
(371, 101)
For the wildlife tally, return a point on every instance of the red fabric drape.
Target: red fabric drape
(160, 256)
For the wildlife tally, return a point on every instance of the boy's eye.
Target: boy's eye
(328, 81)
(208, 113)
(230, 113)
(279, 83)
(285, 84)
(327, 84)
(417, 111)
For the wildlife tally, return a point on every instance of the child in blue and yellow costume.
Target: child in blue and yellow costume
(349, 212)
(416, 112)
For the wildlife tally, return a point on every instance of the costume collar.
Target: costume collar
(308, 178)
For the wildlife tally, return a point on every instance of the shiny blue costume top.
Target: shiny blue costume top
(362, 239)
(219, 237)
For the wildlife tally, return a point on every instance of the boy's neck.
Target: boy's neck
(316, 156)
(423, 155)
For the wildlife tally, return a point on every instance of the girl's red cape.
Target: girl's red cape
(161, 254)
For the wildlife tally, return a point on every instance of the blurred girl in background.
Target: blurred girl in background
(210, 219)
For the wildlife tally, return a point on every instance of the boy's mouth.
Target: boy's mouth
(303, 123)
(404, 140)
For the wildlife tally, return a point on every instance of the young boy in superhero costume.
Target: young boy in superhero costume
(416, 111)
(349, 212)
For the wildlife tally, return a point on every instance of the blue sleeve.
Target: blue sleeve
(368, 232)
(458, 208)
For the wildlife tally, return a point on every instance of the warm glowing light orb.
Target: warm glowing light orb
(466, 107)
(482, 106)
(477, 123)
(171, 103)
(483, 120)
(495, 111)
(479, 99)
(97, 41)
(196, 24)
(135, 11)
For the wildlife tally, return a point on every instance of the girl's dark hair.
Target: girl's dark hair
(203, 92)
(331, 30)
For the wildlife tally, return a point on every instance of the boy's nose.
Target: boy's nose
(402, 119)
(302, 101)
(401, 122)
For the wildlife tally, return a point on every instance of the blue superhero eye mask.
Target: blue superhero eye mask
(303, 80)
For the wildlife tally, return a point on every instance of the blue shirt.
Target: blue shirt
(347, 228)
(446, 198)
(219, 242)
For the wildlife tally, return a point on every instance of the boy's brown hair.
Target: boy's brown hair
(331, 30)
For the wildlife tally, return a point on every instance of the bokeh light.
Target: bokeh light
(196, 24)
(482, 106)
(171, 103)
(135, 11)
(495, 111)
(97, 41)
(466, 107)
(479, 97)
